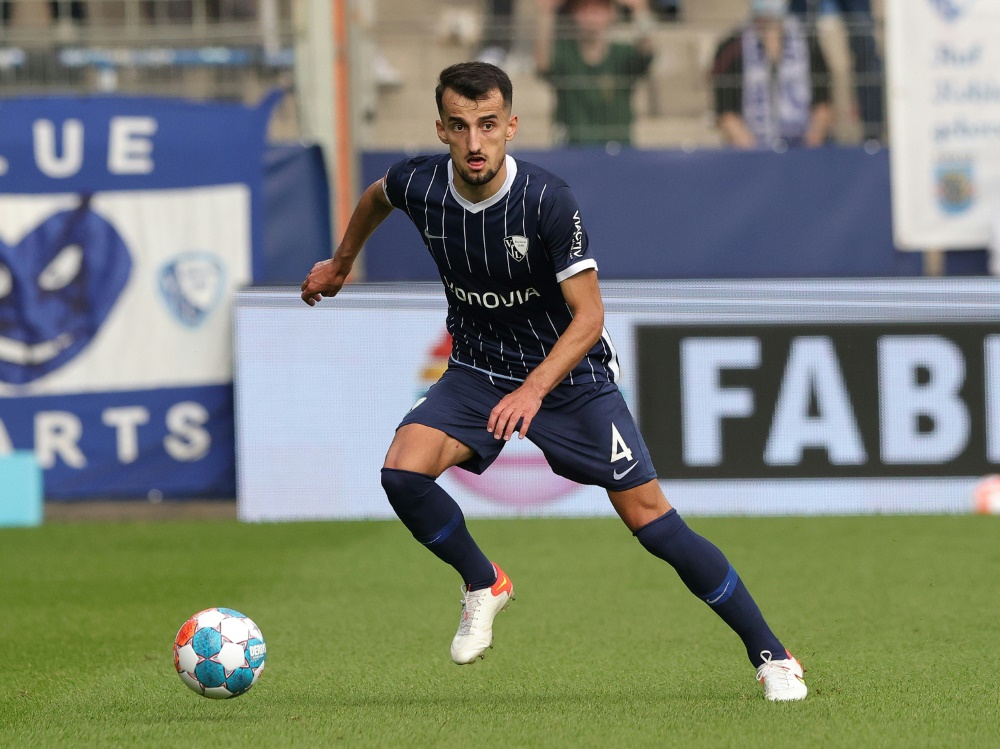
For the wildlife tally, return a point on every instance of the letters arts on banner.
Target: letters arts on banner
(125, 226)
(944, 99)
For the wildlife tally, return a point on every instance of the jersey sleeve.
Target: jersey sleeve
(395, 181)
(562, 233)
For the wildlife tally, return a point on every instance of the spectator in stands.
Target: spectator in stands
(867, 62)
(771, 82)
(498, 32)
(76, 10)
(172, 11)
(666, 10)
(593, 76)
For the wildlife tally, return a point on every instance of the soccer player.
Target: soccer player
(530, 355)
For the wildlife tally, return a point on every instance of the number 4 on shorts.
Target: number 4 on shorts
(619, 449)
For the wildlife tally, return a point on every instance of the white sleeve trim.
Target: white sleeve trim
(575, 268)
(385, 191)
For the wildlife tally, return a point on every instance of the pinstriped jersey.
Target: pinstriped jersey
(501, 261)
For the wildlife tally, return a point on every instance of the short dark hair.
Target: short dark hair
(474, 80)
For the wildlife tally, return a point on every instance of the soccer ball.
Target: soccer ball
(219, 653)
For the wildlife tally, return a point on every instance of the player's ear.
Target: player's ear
(440, 131)
(511, 128)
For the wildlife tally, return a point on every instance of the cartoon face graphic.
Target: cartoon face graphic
(57, 286)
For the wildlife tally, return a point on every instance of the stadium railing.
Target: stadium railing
(673, 104)
(208, 49)
(237, 49)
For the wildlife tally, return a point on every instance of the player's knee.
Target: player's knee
(404, 487)
(640, 505)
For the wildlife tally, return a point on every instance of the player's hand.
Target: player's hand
(326, 278)
(518, 407)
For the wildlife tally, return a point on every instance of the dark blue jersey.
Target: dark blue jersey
(501, 261)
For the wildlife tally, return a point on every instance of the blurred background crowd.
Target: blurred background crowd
(605, 73)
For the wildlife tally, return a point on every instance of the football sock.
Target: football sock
(436, 521)
(709, 575)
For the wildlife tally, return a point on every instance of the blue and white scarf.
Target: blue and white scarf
(776, 106)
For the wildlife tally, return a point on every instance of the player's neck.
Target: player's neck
(479, 193)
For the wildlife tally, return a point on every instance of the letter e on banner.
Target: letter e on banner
(130, 150)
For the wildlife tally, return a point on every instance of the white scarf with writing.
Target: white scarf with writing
(776, 102)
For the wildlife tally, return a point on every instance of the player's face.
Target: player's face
(476, 132)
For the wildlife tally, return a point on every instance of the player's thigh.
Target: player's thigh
(447, 427)
(426, 450)
(589, 436)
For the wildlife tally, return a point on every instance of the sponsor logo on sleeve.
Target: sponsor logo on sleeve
(576, 248)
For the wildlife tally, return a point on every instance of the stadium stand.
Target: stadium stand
(238, 49)
(232, 50)
(673, 105)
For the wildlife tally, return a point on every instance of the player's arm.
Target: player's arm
(328, 276)
(545, 29)
(583, 296)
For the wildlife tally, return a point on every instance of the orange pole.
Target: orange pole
(342, 163)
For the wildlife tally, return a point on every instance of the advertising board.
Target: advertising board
(754, 397)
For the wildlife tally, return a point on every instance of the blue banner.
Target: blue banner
(125, 225)
(167, 442)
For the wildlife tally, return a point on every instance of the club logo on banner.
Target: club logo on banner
(956, 190)
(944, 107)
(192, 285)
(951, 9)
(125, 226)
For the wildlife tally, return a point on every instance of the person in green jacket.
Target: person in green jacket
(592, 75)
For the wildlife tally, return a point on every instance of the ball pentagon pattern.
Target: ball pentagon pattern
(219, 653)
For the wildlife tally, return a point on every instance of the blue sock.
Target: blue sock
(707, 573)
(436, 521)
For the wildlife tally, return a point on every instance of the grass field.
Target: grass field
(896, 620)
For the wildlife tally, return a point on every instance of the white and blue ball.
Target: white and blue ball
(219, 653)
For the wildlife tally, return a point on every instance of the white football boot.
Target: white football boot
(782, 679)
(479, 608)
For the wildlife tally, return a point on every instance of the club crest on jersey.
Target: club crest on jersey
(517, 246)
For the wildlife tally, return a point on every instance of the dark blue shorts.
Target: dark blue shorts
(586, 432)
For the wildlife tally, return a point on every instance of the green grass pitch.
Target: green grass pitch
(895, 619)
